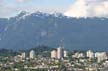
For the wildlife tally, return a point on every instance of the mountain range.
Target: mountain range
(28, 30)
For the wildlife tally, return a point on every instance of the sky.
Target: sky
(88, 8)
(72, 8)
(12, 7)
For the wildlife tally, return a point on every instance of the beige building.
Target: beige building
(54, 54)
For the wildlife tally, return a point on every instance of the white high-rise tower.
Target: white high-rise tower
(90, 54)
(32, 54)
(59, 52)
(65, 53)
(23, 55)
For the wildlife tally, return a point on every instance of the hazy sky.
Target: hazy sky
(73, 8)
(12, 7)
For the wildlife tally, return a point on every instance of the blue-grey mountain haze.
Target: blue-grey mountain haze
(30, 30)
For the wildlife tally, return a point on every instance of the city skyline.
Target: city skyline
(53, 35)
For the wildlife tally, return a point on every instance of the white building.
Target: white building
(54, 54)
(23, 55)
(100, 56)
(32, 54)
(90, 54)
(59, 52)
(78, 55)
(65, 53)
(18, 58)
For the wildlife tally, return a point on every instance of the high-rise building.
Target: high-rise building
(54, 54)
(65, 53)
(78, 55)
(32, 54)
(23, 55)
(90, 54)
(59, 52)
(100, 56)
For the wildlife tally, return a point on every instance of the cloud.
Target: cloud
(21, 1)
(88, 8)
(8, 12)
(1, 3)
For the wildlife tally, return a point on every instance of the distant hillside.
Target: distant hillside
(7, 52)
(26, 31)
(41, 50)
